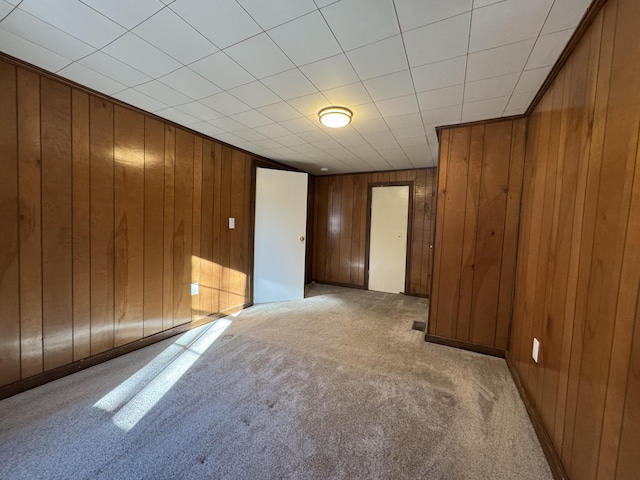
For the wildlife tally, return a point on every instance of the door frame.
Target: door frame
(367, 248)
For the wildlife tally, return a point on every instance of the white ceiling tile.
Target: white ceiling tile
(352, 141)
(507, 22)
(222, 71)
(348, 96)
(125, 12)
(330, 73)
(490, 108)
(520, 101)
(251, 119)
(190, 83)
(268, 143)
(532, 80)
(298, 125)
(359, 22)
(255, 95)
(271, 14)
(442, 116)
(490, 88)
(547, 49)
(416, 13)
(390, 86)
(309, 104)
(379, 58)
(168, 32)
(498, 61)
(177, 116)
(230, 138)
(35, 30)
(32, 53)
(411, 132)
(225, 103)
(76, 19)
(140, 100)
(364, 111)
(137, 53)
(290, 84)
(115, 69)
(316, 135)
(413, 142)
(206, 129)
(224, 22)
(291, 140)
(306, 39)
(273, 131)
(484, 3)
(250, 135)
(259, 56)
(163, 93)
(425, 44)
(440, 74)
(371, 126)
(5, 8)
(227, 124)
(444, 97)
(380, 139)
(565, 14)
(92, 79)
(326, 143)
(404, 121)
(398, 106)
(199, 111)
(280, 112)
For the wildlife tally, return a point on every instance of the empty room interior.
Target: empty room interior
(320, 239)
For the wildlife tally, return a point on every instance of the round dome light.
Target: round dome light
(335, 117)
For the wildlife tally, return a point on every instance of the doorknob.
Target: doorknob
(302, 239)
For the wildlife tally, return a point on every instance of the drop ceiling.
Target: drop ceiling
(255, 73)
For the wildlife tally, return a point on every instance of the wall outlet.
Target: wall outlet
(195, 289)
(536, 350)
(232, 223)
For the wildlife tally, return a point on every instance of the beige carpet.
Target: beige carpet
(333, 386)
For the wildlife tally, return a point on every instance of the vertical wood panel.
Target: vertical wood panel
(153, 225)
(102, 221)
(129, 225)
(196, 215)
(81, 225)
(57, 262)
(206, 230)
(182, 227)
(168, 233)
(357, 255)
(346, 229)
(9, 267)
(223, 219)
(28, 88)
(237, 278)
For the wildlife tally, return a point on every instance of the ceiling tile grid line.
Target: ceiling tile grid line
(255, 74)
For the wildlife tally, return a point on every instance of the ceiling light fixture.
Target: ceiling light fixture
(335, 117)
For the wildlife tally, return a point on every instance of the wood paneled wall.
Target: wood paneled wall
(108, 215)
(479, 190)
(578, 275)
(340, 227)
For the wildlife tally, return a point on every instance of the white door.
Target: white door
(388, 238)
(281, 222)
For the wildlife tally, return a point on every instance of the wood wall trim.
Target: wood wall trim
(71, 368)
(473, 347)
(554, 460)
(491, 121)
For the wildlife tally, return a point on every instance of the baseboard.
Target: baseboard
(555, 462)
(56, 373)
(338, 284)
(474, 347)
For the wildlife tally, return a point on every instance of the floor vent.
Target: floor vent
(421, 326)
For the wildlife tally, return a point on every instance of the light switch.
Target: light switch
(536, 350)
(195, 289)
(232, 223)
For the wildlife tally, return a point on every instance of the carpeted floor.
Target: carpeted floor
(333, 386)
